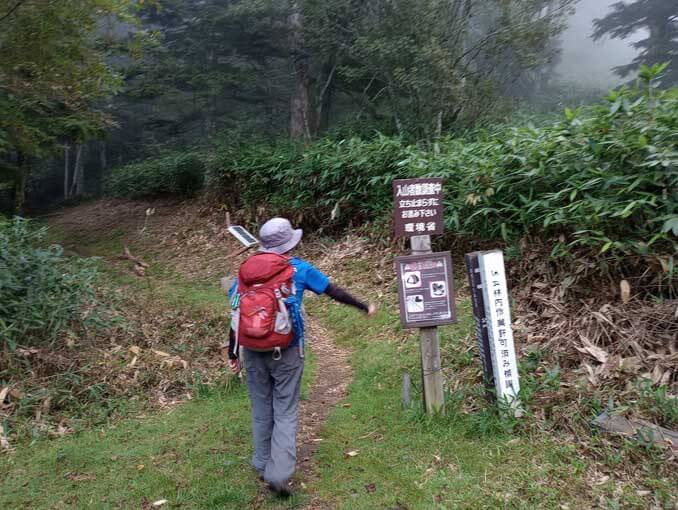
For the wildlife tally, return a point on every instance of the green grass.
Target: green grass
(408, 460)
(178, 291)
(196, 456)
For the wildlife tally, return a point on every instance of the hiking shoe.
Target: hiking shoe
(281, 489)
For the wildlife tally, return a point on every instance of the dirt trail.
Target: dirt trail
(191, 241)
(333, 375)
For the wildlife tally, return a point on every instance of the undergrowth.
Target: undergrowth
(407, 459)
(154, 346)
(44, 295)
(602, 179)
(178, 173)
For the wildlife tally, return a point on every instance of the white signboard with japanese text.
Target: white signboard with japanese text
(498, 316)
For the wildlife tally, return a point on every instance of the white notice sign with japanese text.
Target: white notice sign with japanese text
(498, 315)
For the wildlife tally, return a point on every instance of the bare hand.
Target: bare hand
(234, 365)
(372, 310)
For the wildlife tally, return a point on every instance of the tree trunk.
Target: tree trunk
(325, 98)
(76, 186)
(302, 123)
(102, 157)
(67, 164)
(80, 181)
(396, 117)
(103, 161)
(439, 124)
(21, 185)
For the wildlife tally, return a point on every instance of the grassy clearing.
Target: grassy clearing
(196, 456)
(458, 460)
(96, 379)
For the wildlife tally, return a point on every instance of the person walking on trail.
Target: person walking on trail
(268, 323)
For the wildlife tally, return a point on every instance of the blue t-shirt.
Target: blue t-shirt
(306, 276)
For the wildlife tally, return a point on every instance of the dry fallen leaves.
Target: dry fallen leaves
(599, 354)
(175, 361)
(81, 477)
(15, 394)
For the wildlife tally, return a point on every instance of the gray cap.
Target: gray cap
(278, 236)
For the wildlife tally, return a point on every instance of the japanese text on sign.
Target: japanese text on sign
(426, 290)
(498, 316)
(418, 206)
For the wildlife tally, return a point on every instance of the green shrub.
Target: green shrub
(42, 293)
(658, 402)
(173, 174)
(328, 184)
(604, 178)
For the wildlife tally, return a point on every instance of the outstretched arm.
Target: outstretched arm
(340, 295)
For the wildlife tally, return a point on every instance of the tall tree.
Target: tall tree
(52, 71)
(220, 66)
(302, 120)
(659, 19)
(432, 64)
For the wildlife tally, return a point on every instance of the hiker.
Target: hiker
(271, 331)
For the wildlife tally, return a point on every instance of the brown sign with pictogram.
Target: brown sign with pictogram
(426, 290)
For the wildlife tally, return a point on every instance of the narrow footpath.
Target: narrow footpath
(333, 375)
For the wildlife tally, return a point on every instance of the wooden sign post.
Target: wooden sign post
(425, 279)
(434, 399)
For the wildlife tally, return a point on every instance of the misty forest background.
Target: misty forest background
(91, 85)
(311, 109)
(128, 129)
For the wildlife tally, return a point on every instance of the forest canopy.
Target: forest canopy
(92, 84)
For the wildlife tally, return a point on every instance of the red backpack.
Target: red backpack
(265, 280)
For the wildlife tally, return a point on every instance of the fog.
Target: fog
(586, 61)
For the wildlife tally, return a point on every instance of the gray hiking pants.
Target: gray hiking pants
(274, 387)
